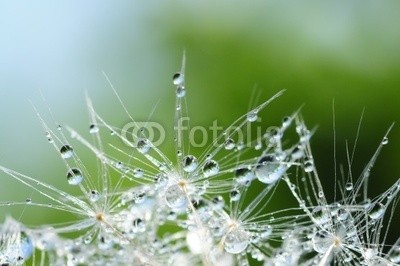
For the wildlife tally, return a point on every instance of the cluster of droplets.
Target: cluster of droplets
(211, 208)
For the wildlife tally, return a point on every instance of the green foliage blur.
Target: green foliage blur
(338, 57)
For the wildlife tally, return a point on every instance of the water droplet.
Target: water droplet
(138, 225)
(252, 116)
(385, 141)
(143, 146)
(161, 180)
(320, 215)
(308, 166)
(137, 172)
(178, 79)
(94, 195)
(28, 200)
(59, 127)
(66, 152)
(175, 197)
(377, 211)
(74, 176)
(235, 195)
(322, 241)
(25, 246)
(349, 186)
(286, 121)
(269, 170)
(218, 202)
(93, 129)
(395, 255)
(210, 168)
(189, 163)
(244, 175)
(297, 153)
(236, 241)
(180, 91)
(229, 144)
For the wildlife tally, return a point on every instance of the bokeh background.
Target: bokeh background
(347, 52)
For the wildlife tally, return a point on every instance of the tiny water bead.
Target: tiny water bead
(349, 186)
(189, 163)
(94, 195)
(385, 141)
(74, 176)
(180, 91)
(252, 116)
(178, 79)
(175, 197)
(322, 241)
(235, 194)
(244, 175)
(236, 241)
(161, 180)
(308, 166)
(210, 168)
(143, 146)
(137, 172)
(66, 152)
(395, 255)
(229, 144)
(377, 211)
(138, 225)
(269, 169)
(93, 129)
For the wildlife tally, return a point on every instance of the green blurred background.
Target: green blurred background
(320, 51)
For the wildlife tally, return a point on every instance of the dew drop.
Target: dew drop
(349, 186)
(175, 197)
(320, 215)
(28, 200)
(143, 146)
(308, 166)
(74, 176)
(236, 241)
(385, 141)
(395, 255)
(161, 180)
(66, 152)
(210, 168)
(377, 211)
(322, 241)
(244, 175)
(297, 153)
(252, 116)
(178, 79)
(25, 246)
(218, 202)
(137, 172)
(93, 129)
(286, 121)
(59, 127)
(235, 195)
(180, 91)
(138, 225)
(189, 163)
(94, 195)
(269, 169)
(229, 144)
